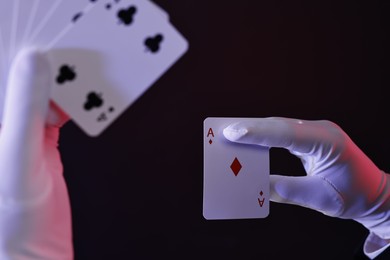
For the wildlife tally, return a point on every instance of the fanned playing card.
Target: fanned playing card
(104, 54)
(236, 176)
(7, 24)
(53, 18)
(109, 58)
(33, 23)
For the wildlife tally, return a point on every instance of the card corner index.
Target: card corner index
(92, 132)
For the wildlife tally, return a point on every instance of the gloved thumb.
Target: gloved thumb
(26, 100)
(314, 192)
(23, 127)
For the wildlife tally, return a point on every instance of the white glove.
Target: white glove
(341, 180)
(35, 219)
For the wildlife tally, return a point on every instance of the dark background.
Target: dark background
(136, 190)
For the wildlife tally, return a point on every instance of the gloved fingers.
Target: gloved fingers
(314, 192)
(298, 136)
(27, 100)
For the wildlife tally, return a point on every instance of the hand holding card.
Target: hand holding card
(236, 176)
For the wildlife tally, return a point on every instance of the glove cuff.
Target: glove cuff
(377, 220)
(374, 245)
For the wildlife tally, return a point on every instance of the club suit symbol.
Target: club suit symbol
(66, 73)
(153, 43)
(93, 100)
(127, 15)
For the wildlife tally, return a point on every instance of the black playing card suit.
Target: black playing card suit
(126, 16)
(93, 100)
(66, 73)
(153, 43)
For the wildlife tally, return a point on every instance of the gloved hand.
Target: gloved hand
(35, 219)
(341, 180)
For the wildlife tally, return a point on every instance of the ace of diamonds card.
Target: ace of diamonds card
(236, 176)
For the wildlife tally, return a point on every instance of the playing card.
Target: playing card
(66, 14)
(33, 15)
(14, 26)
(109, 58)
(2, 58)
(7, 10)
(2, 76)
(23, 9)
(19, 16)
(236, 176)
(3, 63)
(162, 12)
(55, 17)
(7, 20)
(111, 4)
(29, 14)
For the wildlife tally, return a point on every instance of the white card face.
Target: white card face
(33, 23)
(31, 14)
(3, 63)
(14, 27)
(6, 23)
(236, 176)
(54, 19)
(110, 58)
(23, 10)
(7, 20)
(3, 76)
(163, 13)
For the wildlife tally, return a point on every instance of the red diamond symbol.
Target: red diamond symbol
(210, 141)
(261, 193)
(236, 166)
